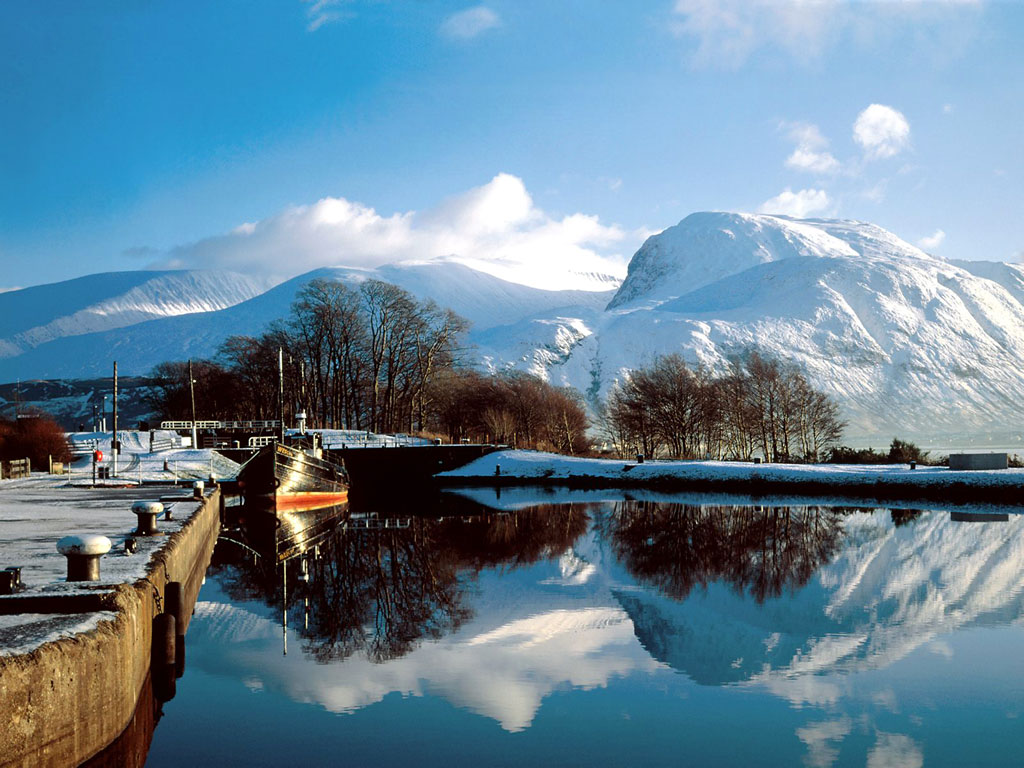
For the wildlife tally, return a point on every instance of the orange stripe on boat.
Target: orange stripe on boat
(302, 500)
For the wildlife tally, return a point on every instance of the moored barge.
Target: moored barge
(290, 499)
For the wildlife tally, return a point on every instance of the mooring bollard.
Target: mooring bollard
(197, 489)
(497, 470)
(15, 570)
(146, 512)
(10, 580)
(83, 554)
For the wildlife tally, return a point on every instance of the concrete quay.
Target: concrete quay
(75, 657)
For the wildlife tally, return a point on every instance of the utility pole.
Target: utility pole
(115, 443)
(192, 395)
(280, 392)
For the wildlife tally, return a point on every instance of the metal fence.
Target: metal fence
(266, 424)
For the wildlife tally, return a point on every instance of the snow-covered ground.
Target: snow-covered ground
(36, 512)
(24, 632)
(536, 465)
(518, 497)
(137, 465)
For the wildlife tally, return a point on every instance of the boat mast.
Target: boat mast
(280, 393)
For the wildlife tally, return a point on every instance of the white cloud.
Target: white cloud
(823, 740)
(894, 750)
(933, 240)
(881, 131)
(469, 23)
(797, 204)
(876, 192)
(322, 12)
(811, 152)
(495, 228)
(726, 33)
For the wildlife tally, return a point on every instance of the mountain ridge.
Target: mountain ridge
(905, 341)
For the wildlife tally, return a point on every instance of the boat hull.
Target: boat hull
(290, 477)
(290, 499)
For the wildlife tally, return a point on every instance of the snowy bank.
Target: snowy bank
(861, 481)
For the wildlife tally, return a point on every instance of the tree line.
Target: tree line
(371, 357)
(760, 406)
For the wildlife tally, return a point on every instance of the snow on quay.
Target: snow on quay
(34, 513)
(874, 481)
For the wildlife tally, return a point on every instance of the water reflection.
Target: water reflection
(758, 550)
(380, 584)
(494, 611)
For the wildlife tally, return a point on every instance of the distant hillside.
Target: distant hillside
(74, 404)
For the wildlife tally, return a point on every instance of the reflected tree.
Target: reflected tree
(760, 551)
(380, 591)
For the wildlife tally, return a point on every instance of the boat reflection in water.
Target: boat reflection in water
(290, 499)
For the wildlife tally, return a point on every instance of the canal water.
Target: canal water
(585, 628)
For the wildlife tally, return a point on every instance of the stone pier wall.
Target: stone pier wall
(67, 700)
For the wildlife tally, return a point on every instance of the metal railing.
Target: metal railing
(84, 447)
(265, 424)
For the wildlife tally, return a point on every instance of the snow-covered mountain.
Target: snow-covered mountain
(34, 316)
(907, 342)
(484, 300)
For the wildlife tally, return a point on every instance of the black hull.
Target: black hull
(290, 477)
(291, 500)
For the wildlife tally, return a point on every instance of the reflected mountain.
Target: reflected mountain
(889, 589)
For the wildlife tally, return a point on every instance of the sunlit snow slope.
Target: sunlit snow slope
(34, 316)
(907, 342)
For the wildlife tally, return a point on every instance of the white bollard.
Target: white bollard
(83, 554)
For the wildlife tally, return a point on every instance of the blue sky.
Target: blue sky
(256, 135)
